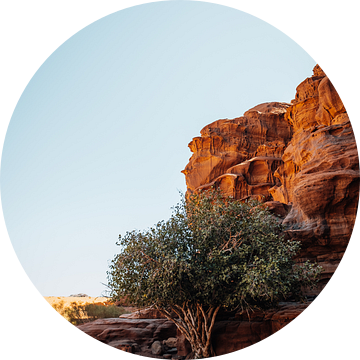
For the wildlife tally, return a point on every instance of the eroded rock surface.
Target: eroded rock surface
(156, 337)
(240, 155)
(131, 335)
(320, 173)
(300, 158)
(240, 333)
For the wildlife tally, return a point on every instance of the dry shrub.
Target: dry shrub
(83, 313)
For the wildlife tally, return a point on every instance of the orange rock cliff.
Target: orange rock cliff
(299, 158)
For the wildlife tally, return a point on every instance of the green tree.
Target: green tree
(214, 252)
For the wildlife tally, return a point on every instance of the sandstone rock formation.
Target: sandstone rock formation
(138, 336)
(301, 158)
(131, 335)
(320, 173)
(240, 155)
(241, 332)
(156, 348)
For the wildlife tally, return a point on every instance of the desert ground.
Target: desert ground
(63, 304)
(81, 309)
(67, 300)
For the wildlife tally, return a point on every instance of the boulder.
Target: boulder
(156, 348)
(142, 332)
(170, 342)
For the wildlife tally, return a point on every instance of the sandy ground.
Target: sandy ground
(63, 302)
(67, 300)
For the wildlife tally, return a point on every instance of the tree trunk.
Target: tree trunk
(202, 351)
(196, 324)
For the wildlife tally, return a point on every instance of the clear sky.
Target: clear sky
(99, 137)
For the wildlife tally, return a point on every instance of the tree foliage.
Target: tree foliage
(213, 252)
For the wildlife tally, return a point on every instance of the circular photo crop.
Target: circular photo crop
(180, 180)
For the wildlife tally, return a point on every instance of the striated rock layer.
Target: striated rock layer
(240, 155)
(301, 158)
(230, 334)
(130, 335)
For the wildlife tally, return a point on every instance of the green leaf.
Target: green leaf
(214, 251)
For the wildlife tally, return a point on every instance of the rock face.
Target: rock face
(301, 158)
(236, 334)
(159, 337)
(320, 173)
(240, 155)
(241, 331)
(131, 335)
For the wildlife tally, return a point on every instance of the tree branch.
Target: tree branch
(150, 258)
(177, 323)
(205, 322)
(212, 325)
(198, 318)
(188, 321)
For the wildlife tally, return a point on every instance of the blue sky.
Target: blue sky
(99, 137)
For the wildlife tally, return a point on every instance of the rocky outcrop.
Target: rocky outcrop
(148, 313)
(320, 173)
(244, 330)
(240, 155)
(131, 335)
(156, 337)
(299, 158)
